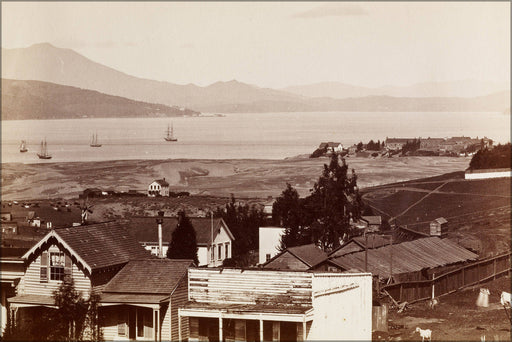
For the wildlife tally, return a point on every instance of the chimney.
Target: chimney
(159, 221)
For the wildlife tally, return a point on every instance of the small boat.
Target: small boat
(170, 134)
(43, 154)
(94, 141)
(23, 146)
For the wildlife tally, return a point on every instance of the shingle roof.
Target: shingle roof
(162, 182)
(145, 229)
(441, 220)
(309, 254)
(376, 220)
(149, 276)
(97, 245)
(410, 256)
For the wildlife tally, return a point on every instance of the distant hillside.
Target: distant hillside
(45, 62)
(337, 90)
(23, 100)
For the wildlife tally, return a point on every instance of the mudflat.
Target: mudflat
(254, 178)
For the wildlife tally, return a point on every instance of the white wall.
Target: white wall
(485, 175)
(222, 238)
(270, 239)
(202, 256)
(342, 307)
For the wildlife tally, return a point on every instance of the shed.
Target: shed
(438, 226)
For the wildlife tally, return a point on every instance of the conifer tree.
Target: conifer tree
(286, 212)
(183, 241)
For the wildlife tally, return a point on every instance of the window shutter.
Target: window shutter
(68, 266)
(43, 275)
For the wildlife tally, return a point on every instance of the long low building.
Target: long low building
(410, 260)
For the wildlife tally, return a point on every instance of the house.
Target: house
(141, 301)
(297, 258)
(331, 147)
(406, 261)
(270, 241)
(368, 223)
(90, 254)
(268, 305)
(159, 187)
(438, 226)
(11, 270)
(397, 143)
(431, 144)
(213, 237)
(359, 243)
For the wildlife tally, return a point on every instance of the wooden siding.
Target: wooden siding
(287, 261)
(30, 283)
(165, 323)
(234, 286)
(178, 299)
(110, 323)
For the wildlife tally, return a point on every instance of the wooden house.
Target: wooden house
(396, 143)
(269, 242)
(12, 269)
(159, 187)
(267, 305)
(90, 254)
(297, 258)
(438, 226)
(141, 301)
(213, 237)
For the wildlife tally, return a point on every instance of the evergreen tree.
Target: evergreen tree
(335, 199)
(286, 212)
(70, 314)
(183, 241)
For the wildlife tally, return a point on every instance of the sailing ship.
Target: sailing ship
(94, 141)
(43, 154)
(23, 146)
(170, 134)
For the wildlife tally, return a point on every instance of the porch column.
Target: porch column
(304, 326)
(220, 326)
(179, 324)
(261, 328)
(156, 324)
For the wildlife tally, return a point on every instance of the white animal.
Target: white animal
(505, 299)
(425, 334)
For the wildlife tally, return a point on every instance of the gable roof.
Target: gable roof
(95, 246)
(310, 254)
(145, 229)
(162, 182)
(149, 276)
(440, 220)
(410, 256)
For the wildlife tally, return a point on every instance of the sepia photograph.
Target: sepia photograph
(255, 171)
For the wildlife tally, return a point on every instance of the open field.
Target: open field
(243, 178)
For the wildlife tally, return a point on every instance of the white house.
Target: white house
(213, 237)
(158, 187)
(270, 240)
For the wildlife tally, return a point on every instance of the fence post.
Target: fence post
(494, 268)
(433, 285)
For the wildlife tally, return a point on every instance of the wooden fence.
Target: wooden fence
(467, 275)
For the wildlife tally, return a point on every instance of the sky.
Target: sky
(276, 44)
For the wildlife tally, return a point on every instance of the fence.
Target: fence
(452, 281)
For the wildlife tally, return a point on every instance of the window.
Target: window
(212, 252)
(43, 275)
(226, 247)
(219, 256)
(57, 261)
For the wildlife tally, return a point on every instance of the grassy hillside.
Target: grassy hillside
(24, 100)
(478, 211)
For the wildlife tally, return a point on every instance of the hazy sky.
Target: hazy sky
(276, 44)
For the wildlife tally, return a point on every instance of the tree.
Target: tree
(244, 221)
(335, 200)
(70, 314)
(286, 212)
(359, 146)
(183, 241)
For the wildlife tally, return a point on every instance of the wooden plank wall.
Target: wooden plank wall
(467, 275)
(234, 286)
(178, 299)
(30, 283)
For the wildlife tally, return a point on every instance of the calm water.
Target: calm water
(252, 136)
